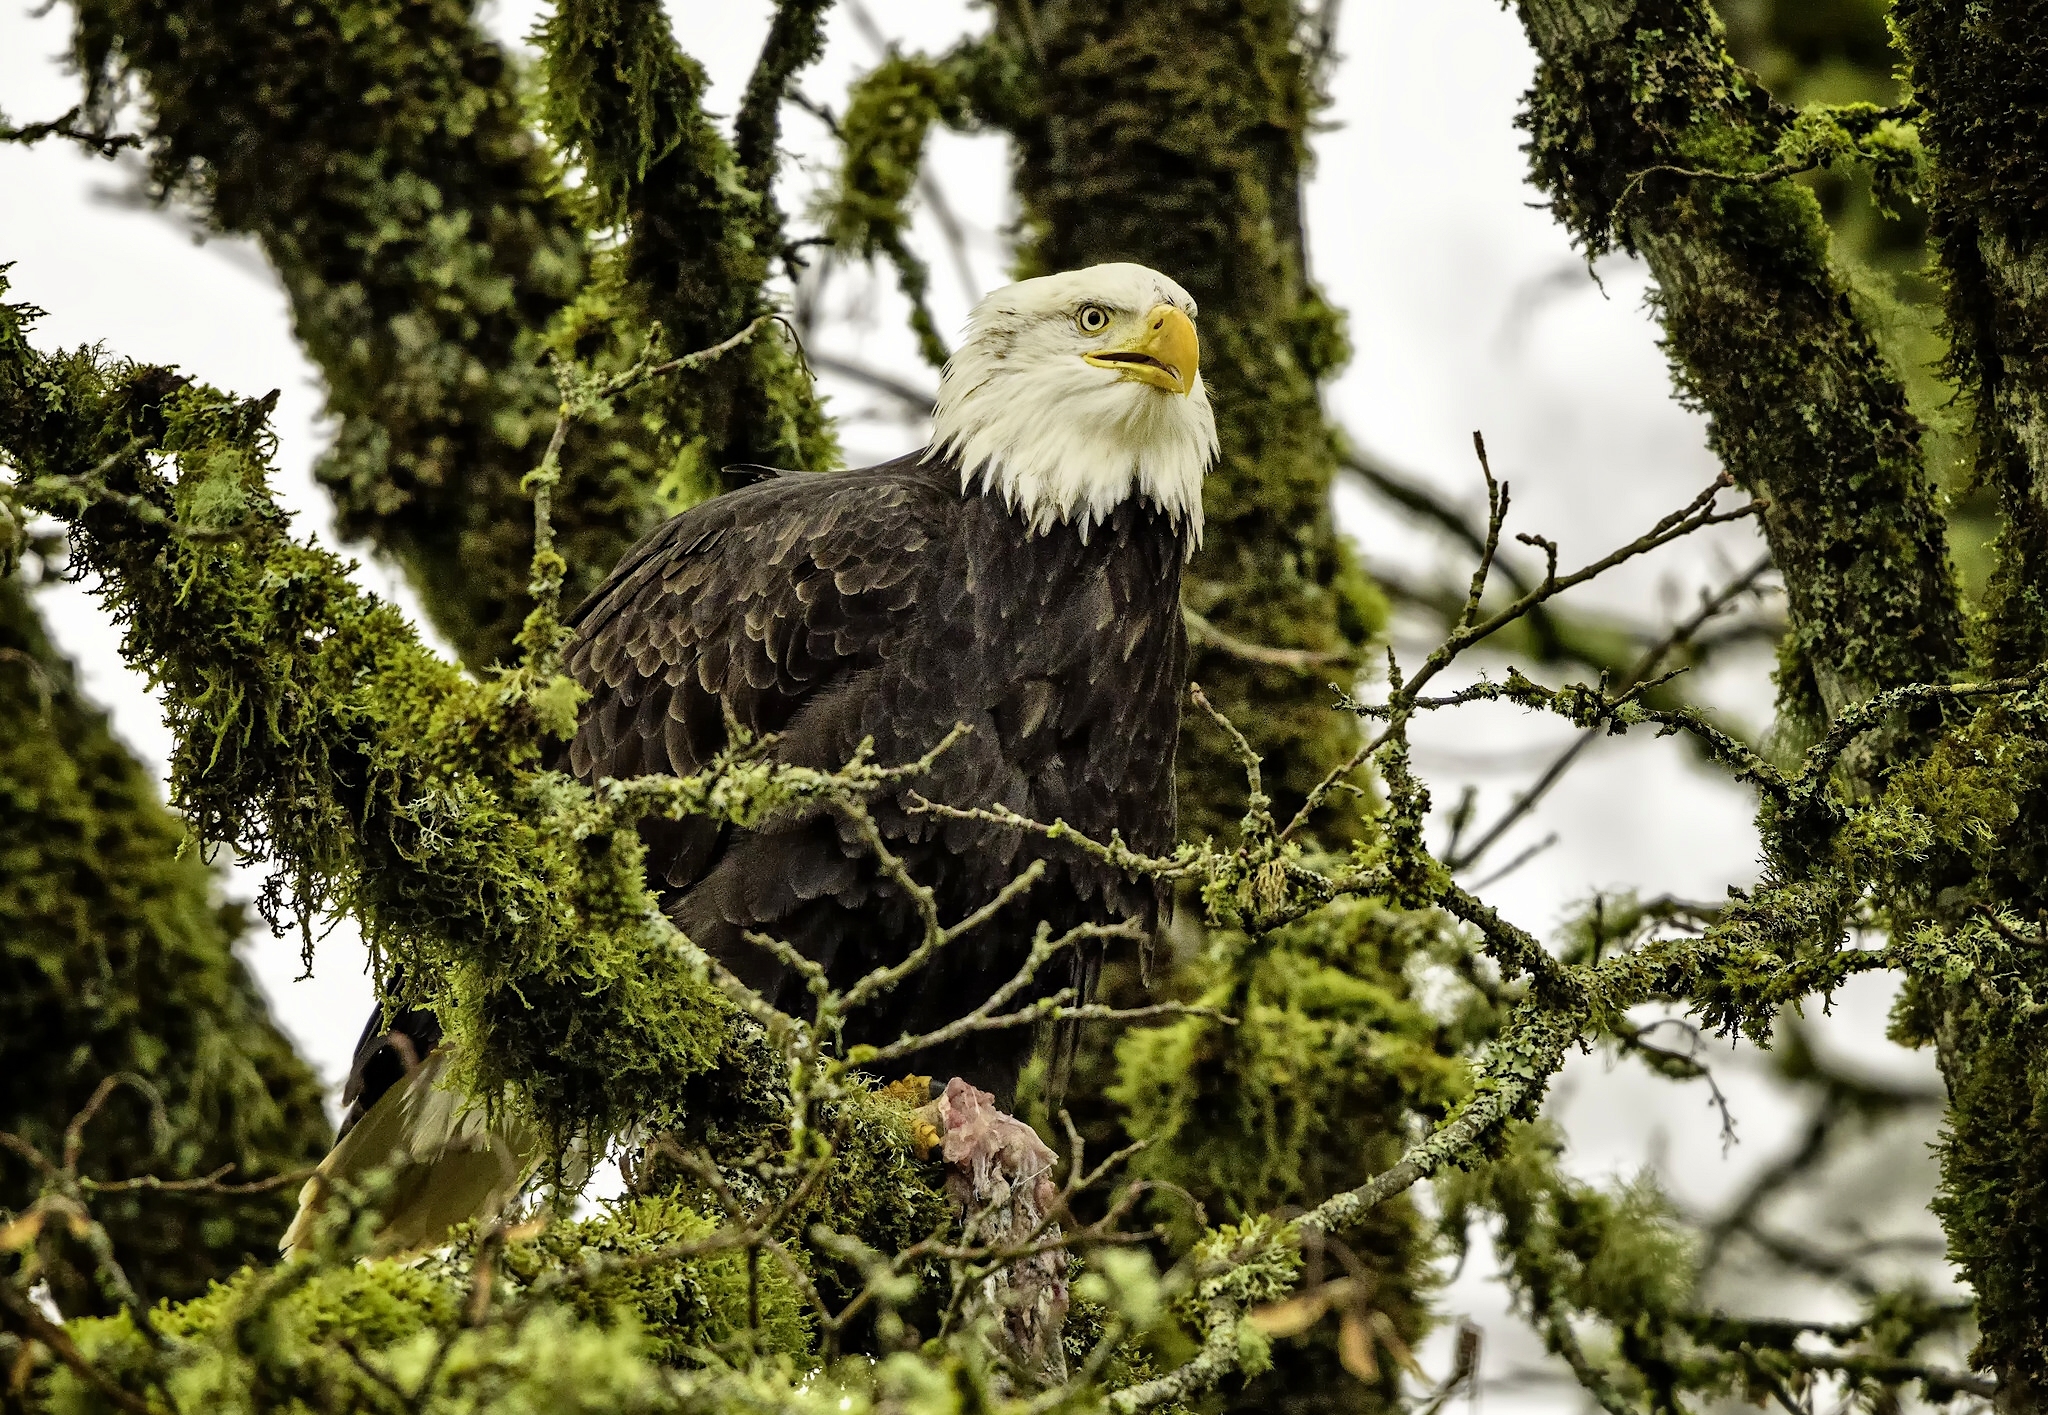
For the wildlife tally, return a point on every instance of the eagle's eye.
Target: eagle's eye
(1092, 319)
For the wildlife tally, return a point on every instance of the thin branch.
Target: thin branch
(1258, 817)
(204, 1184)
(42, 1329)
(914, 399)
(66, 126)
(1187, 865)
(1681, 633)
(1696, 515)
(1202, 632)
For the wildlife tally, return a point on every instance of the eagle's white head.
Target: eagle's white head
(1075, 392)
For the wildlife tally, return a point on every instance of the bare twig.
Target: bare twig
(1681, 633)
(1202, 632)
(914, 399)
(66, 126)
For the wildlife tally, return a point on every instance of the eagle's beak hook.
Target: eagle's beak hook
(1166, 353)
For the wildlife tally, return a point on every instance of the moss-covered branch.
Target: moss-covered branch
(700, 233)
(314, 730)
(380, 155)
(1648, 136)
(1981, 76)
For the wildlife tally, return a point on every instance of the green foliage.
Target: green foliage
(117, 957)
(344, 1339)
(1260, 1115)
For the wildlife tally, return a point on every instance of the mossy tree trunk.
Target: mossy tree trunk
(1981, 71)
(1764, 339)
(117, 957)
(1802, 409)
(1177, 136)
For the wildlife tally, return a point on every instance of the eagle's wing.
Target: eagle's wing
(757, 603)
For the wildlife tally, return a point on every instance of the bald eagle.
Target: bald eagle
(1020, 575)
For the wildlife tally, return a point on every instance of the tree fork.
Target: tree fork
(1647, 136)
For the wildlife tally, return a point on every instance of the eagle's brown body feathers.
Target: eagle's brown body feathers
(885, 604)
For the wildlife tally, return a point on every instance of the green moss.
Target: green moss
(1295, 1102)
(117, 956)
(1981, 76)
(1954, 835)
(1804, 411)
(700, 237)
(1618, 1256)
(344, 1340)
(1262, 1115)
(889, 115)
(682, 1309)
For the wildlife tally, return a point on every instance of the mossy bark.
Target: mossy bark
(1981, 71)
(1803, 410)
(702, 233)
(117, 956)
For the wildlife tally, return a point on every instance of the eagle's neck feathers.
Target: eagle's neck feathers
(1060, 442)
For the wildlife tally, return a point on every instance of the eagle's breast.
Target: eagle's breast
(883, 607)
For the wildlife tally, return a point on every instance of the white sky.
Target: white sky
(1468, 310)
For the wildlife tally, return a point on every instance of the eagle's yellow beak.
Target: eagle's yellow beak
(1166, 353)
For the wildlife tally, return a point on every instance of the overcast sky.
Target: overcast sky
(1468, 310)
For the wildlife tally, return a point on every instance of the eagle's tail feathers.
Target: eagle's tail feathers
(446, 1159)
